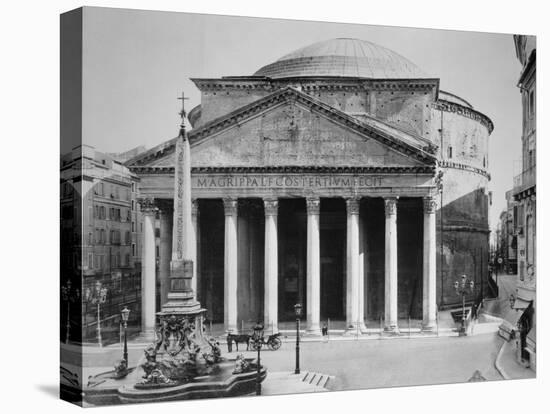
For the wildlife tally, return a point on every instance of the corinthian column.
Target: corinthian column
(148, 273)
(271, 272)
(313, 267)
(429, 306)
(354, 319)
(193, 243)
(165, 248)
(390, 303)
(230, 265)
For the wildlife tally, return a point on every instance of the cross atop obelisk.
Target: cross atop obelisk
(182, 113)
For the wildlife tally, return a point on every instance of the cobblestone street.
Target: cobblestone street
(398, 362)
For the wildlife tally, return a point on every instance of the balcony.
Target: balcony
(525, 180)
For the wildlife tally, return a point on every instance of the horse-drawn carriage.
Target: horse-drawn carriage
(272, 341)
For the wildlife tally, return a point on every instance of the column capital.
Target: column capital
(352, 205)
(147, 205)
(390, 205)
(230, 206)
(195, 207)
(313, 205)
(271, 206)
(430, 204)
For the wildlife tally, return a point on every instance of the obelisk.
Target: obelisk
(181, 297)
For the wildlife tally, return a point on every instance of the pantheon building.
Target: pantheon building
(340, 177)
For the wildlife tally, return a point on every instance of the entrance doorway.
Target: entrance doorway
(292, 224)
(333, 258)
(211, 250)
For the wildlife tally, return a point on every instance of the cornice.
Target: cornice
(470, 229)
(466, 167)
(427, 170)
(458, 109)
(313, 83)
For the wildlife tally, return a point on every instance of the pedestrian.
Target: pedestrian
(324, 330)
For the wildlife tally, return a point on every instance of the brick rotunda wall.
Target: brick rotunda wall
(462, 221)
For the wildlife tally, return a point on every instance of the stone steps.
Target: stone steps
(316, 379)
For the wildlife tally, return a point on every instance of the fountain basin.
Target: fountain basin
(220, 384)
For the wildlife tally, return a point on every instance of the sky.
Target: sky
(136, 63)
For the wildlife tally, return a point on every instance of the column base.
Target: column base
(429, 326)
(147, 335)
(270, 327)
(313, 331)
(355, 329)
(391, 329)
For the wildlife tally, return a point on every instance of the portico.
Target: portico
(330, 249)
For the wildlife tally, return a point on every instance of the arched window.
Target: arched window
(450, 152)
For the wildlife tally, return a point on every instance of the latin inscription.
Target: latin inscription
(286, 181)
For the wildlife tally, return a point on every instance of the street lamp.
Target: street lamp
(258, 337)
(125, 313)
(298, 311)
(463, 286)
(98, 296)
(67, 295)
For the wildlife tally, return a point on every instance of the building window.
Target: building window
(127, 260)
(450, 152)
(133, 226)
(127, 238)
(101, 189)
(483, 162)
(90, 239)
(90, 260)
(158, 251)
(133, 249)
(133, 187)
(133, 205)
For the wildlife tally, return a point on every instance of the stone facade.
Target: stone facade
(525, 191)
(376, 214)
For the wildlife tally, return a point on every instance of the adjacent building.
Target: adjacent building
(340, 177)
(101, 227)
(524, 193)
(507, 236)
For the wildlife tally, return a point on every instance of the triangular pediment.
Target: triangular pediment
(289, 128)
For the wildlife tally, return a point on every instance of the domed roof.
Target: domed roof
(346, 58)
